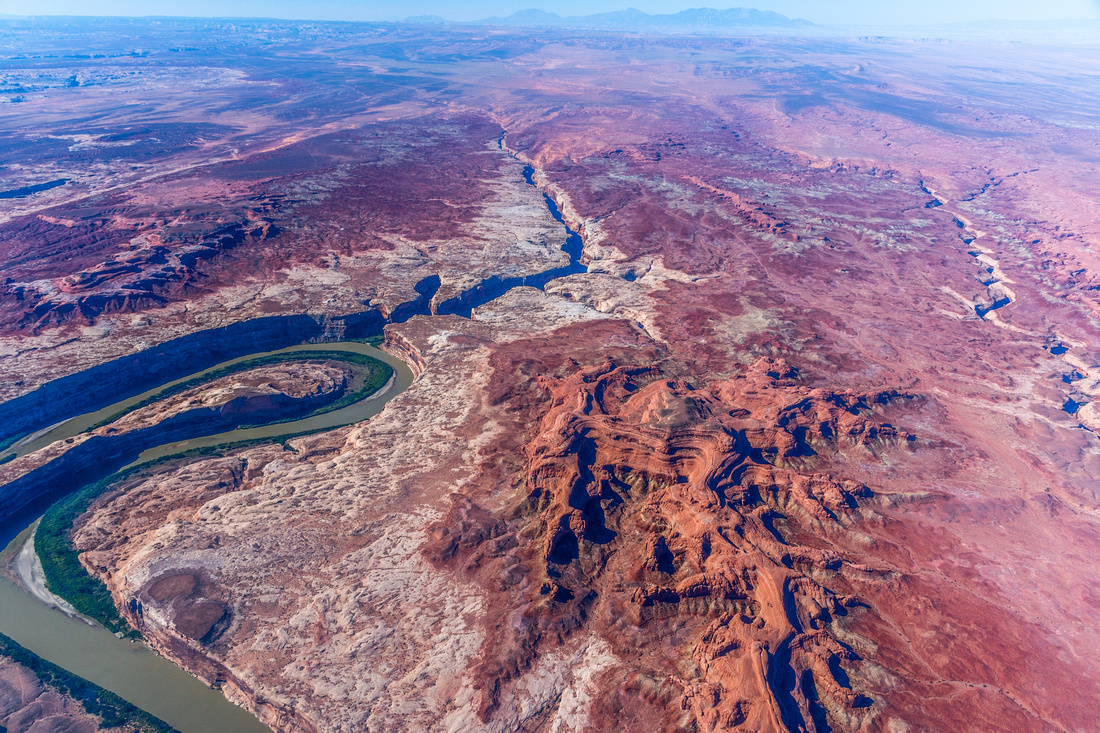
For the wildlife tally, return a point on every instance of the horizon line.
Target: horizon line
(411, 19)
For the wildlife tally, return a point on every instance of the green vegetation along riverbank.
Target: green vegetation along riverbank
(112, 710)
(376, 374)
(67, 578)
(53, 540)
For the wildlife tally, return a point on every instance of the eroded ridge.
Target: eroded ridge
(651, 513)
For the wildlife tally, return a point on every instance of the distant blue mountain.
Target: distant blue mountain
(531, 16)
(696, 19)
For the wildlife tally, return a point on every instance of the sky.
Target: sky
(869, 12)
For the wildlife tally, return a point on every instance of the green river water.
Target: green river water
(132, 670)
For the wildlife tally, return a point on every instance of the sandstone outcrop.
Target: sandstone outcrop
(648, 511)
(259, 394)
(253, 396)
(755, 378)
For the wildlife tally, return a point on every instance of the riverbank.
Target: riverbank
(26, 569)
(75, 704)
(61, 606)
(370, 376)
(82, 458)
(129, 670)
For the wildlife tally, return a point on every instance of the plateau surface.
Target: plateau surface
(757, 379)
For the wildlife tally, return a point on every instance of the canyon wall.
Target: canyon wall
(799, 437)
(87, 390)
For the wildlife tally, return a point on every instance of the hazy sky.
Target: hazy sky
(819, 11)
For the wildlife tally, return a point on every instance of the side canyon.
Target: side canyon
(754, 385)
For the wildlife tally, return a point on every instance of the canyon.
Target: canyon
(279, 388)
(754, 379)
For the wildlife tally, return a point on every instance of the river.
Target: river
(131, 669)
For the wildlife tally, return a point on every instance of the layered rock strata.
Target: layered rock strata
(253, 396)
(808, 446)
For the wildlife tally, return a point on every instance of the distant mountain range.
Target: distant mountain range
(696, 19)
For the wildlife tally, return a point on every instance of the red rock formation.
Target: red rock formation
(887, 523)
(648, 514)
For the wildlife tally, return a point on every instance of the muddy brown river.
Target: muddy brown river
(131, 669)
